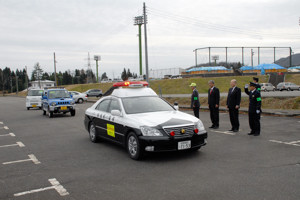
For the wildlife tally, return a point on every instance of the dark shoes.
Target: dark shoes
(254, 134)
(234, 130)
(215, 127)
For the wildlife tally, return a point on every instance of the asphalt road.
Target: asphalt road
(230, 166)
(263, 94)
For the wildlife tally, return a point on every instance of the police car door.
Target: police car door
(114, 129)
(100, 117)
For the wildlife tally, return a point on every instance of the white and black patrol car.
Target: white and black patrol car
(134, 116)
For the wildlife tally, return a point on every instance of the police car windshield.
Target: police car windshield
(35, 93)
(56, 94)
(134, 105)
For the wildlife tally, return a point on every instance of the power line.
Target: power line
(218, 27)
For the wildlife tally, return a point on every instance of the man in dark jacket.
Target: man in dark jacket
(254, 109)
(195, 103)
(213, 103)
(233, 104)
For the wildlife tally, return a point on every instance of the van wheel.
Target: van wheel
(73, 112)
(80, 100)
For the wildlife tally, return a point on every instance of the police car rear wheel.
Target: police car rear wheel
(133, 147)
(93, 133)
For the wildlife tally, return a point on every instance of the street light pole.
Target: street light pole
(97, 58)
(146, 46)
(139, 21)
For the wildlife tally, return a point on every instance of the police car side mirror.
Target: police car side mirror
(116, 113)
(176, 106)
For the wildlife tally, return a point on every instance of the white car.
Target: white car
(267, 87)
(34, 98)
(78, 97)
(135, 117)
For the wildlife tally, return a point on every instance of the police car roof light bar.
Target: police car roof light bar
(131, 84)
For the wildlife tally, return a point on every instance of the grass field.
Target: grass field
(181, 86)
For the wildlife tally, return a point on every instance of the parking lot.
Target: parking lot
(53, 158)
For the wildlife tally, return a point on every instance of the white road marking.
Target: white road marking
(225, 132)
(5, 127)
(10, 134)
(293, 143)
(20, 144)
(55, 185)
(1, 122)
(31, 158)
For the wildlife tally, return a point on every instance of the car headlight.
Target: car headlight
(199, 127)
(148, 131)
(53, 104)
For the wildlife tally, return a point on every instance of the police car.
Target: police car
(135, 117)
(57, 100)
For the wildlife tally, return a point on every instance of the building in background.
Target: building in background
(44, 83)
(162, 73)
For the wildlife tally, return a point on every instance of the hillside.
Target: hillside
(285, 62)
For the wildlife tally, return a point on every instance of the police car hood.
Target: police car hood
(164, 118)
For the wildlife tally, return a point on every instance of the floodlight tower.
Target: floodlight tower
(97, 58)
(139, 21)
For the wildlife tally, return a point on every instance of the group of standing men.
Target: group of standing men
(233, 104)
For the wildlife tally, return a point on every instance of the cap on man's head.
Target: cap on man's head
(255, 79)
(193, 85)
(252, 84)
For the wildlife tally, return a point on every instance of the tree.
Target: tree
(45, 76)
(124, 75)
(104, 76)
(37, 73)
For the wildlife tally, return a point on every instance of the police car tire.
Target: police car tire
(73, 112)
(93, 133)
(133, 147)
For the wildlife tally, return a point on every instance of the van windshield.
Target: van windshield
(35, 93)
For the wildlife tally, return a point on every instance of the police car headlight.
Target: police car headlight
(53, 104)
(199, 126)
(148, 131)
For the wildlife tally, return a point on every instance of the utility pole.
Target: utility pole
(139, 21)
(55, 70)
(26, 78)
(195, 57)
(2, 83)
(146, 46)
(252, 53)
(17, 85)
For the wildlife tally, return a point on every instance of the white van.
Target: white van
(34, 98)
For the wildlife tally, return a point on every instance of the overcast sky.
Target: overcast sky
(31, 30)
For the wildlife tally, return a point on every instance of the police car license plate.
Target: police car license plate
(64, 108)
(184, 145)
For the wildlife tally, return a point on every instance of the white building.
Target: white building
(44, 83)
(161, 73)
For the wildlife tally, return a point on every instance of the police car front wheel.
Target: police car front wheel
(133, 147)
